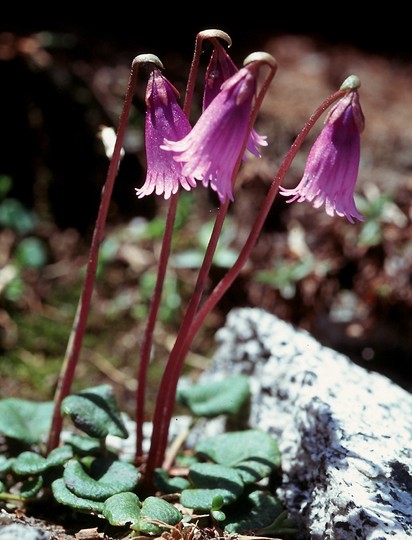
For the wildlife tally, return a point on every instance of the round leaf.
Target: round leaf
(154, 512)
(28, 463)
(167, 484)
(216, 397)
(31, 487)
(6, 463)
(254, 453)
(83, 445)
(201, 499)
(66, 497)
(59, 456)
(95, 412)
(107, 478)
(26, 421)
(122, 509)
(211, 483)
(218, 515)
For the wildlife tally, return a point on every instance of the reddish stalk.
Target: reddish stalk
(80, 322)
(234, 271)
(151, 322)
(213, 36)
(164, 257)
(168, 385)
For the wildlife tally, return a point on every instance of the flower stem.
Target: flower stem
(174, 366)
(74, 345)
(213, 36)
(157, 293)
(168, 384)
(234, 271)
(151, 322)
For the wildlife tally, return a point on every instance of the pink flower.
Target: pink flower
(164, 119)
(221, 67)
(332, 166)
(212, 148)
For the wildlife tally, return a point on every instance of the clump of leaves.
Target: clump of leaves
(223, 485)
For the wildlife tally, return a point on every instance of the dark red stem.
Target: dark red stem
(157, 293)
(234, 271)
(151, 322)
(79, 326)
(174, 366)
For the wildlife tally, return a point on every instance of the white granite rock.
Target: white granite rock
(344, 432)
(18, 531)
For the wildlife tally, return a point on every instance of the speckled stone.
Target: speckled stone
(17, 531)
(344, 432)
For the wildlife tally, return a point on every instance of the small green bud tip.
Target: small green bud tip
(262, 57)
(147, 59)
(213, 33)
(351, 83)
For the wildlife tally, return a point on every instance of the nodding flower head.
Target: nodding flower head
(221, 67)
(164, 119)
(211, 151)
(332, 165)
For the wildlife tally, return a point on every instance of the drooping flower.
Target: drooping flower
(212, 148)
(220, 68)
(332, 165)
(164, 119)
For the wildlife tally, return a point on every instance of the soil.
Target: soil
(355, 297)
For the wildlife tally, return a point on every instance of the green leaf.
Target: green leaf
(218, 502)
(210, 482)
(218, 515)
(5, 464)
(107, 477)
(155, 512)
(254, 453)
(95, 412)
(201, 499)
(122, 509)
(83, 445)
(167, 484)
(31, 253)
(31, 487)
(253, 512)
(28, 463)
(59, 456)
(14, 215)
(66, 497)
(26, 421)
(217, 397)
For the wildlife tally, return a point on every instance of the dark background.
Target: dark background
(168, 27)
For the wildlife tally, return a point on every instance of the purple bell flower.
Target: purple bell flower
(332, 165)
(164, 119)
(221, 67)
(212, 148)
